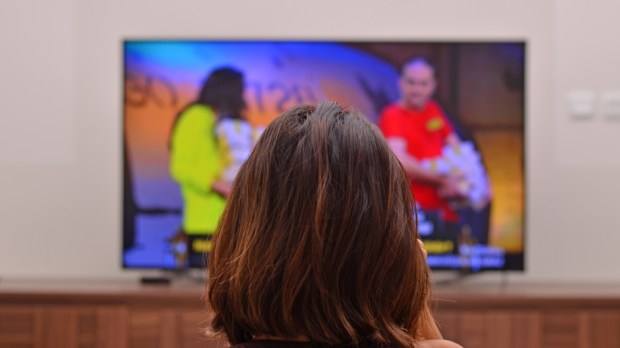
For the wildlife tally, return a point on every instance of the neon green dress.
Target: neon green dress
(196, 163)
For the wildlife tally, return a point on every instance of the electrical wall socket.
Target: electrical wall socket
(610, 105)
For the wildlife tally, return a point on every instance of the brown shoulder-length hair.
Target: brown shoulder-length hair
(318, 239)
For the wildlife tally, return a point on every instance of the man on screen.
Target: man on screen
(424, 140)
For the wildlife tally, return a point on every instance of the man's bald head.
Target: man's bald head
(417, 83)
(420, 63)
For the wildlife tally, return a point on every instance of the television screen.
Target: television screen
(452, 111)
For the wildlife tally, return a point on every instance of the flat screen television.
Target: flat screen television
(479, 96)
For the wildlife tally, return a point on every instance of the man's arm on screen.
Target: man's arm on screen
(411, 165)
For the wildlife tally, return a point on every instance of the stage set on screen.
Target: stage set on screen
(180, 154)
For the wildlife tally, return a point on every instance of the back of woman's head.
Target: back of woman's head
(223, 91)
(318, 239)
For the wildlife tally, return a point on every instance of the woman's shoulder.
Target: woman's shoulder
(273, 344)
(199, 109)
(196, 115)
(296, 344)
(437, 344)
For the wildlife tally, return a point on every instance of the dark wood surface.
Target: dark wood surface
(188, 293)
(101, 292)
(126, 314)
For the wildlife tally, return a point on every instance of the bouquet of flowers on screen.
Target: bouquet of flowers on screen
(464, 162)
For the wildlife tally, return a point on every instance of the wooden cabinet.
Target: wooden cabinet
(101, 315)
(533, 316)
(533, 329)
(119, 315)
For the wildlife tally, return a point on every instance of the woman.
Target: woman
(197, 162)
(318, 246)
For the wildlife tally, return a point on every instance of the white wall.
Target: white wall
(581, 192)
(60, 138)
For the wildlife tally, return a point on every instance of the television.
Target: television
(479, 91)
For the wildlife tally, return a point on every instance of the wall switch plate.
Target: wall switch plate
(610, 105)
(581, 104)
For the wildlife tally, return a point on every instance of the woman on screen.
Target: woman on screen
(197, 160)
(317, 245)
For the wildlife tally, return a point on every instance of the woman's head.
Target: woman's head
(318, 239)
(223, 91)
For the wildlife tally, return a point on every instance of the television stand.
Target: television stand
(150, 280)
(167, 277)
(458, 277)
(115, 314)
(455, 278)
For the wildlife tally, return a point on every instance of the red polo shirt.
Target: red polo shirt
(426, 132)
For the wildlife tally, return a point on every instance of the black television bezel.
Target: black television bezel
(519, 260)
